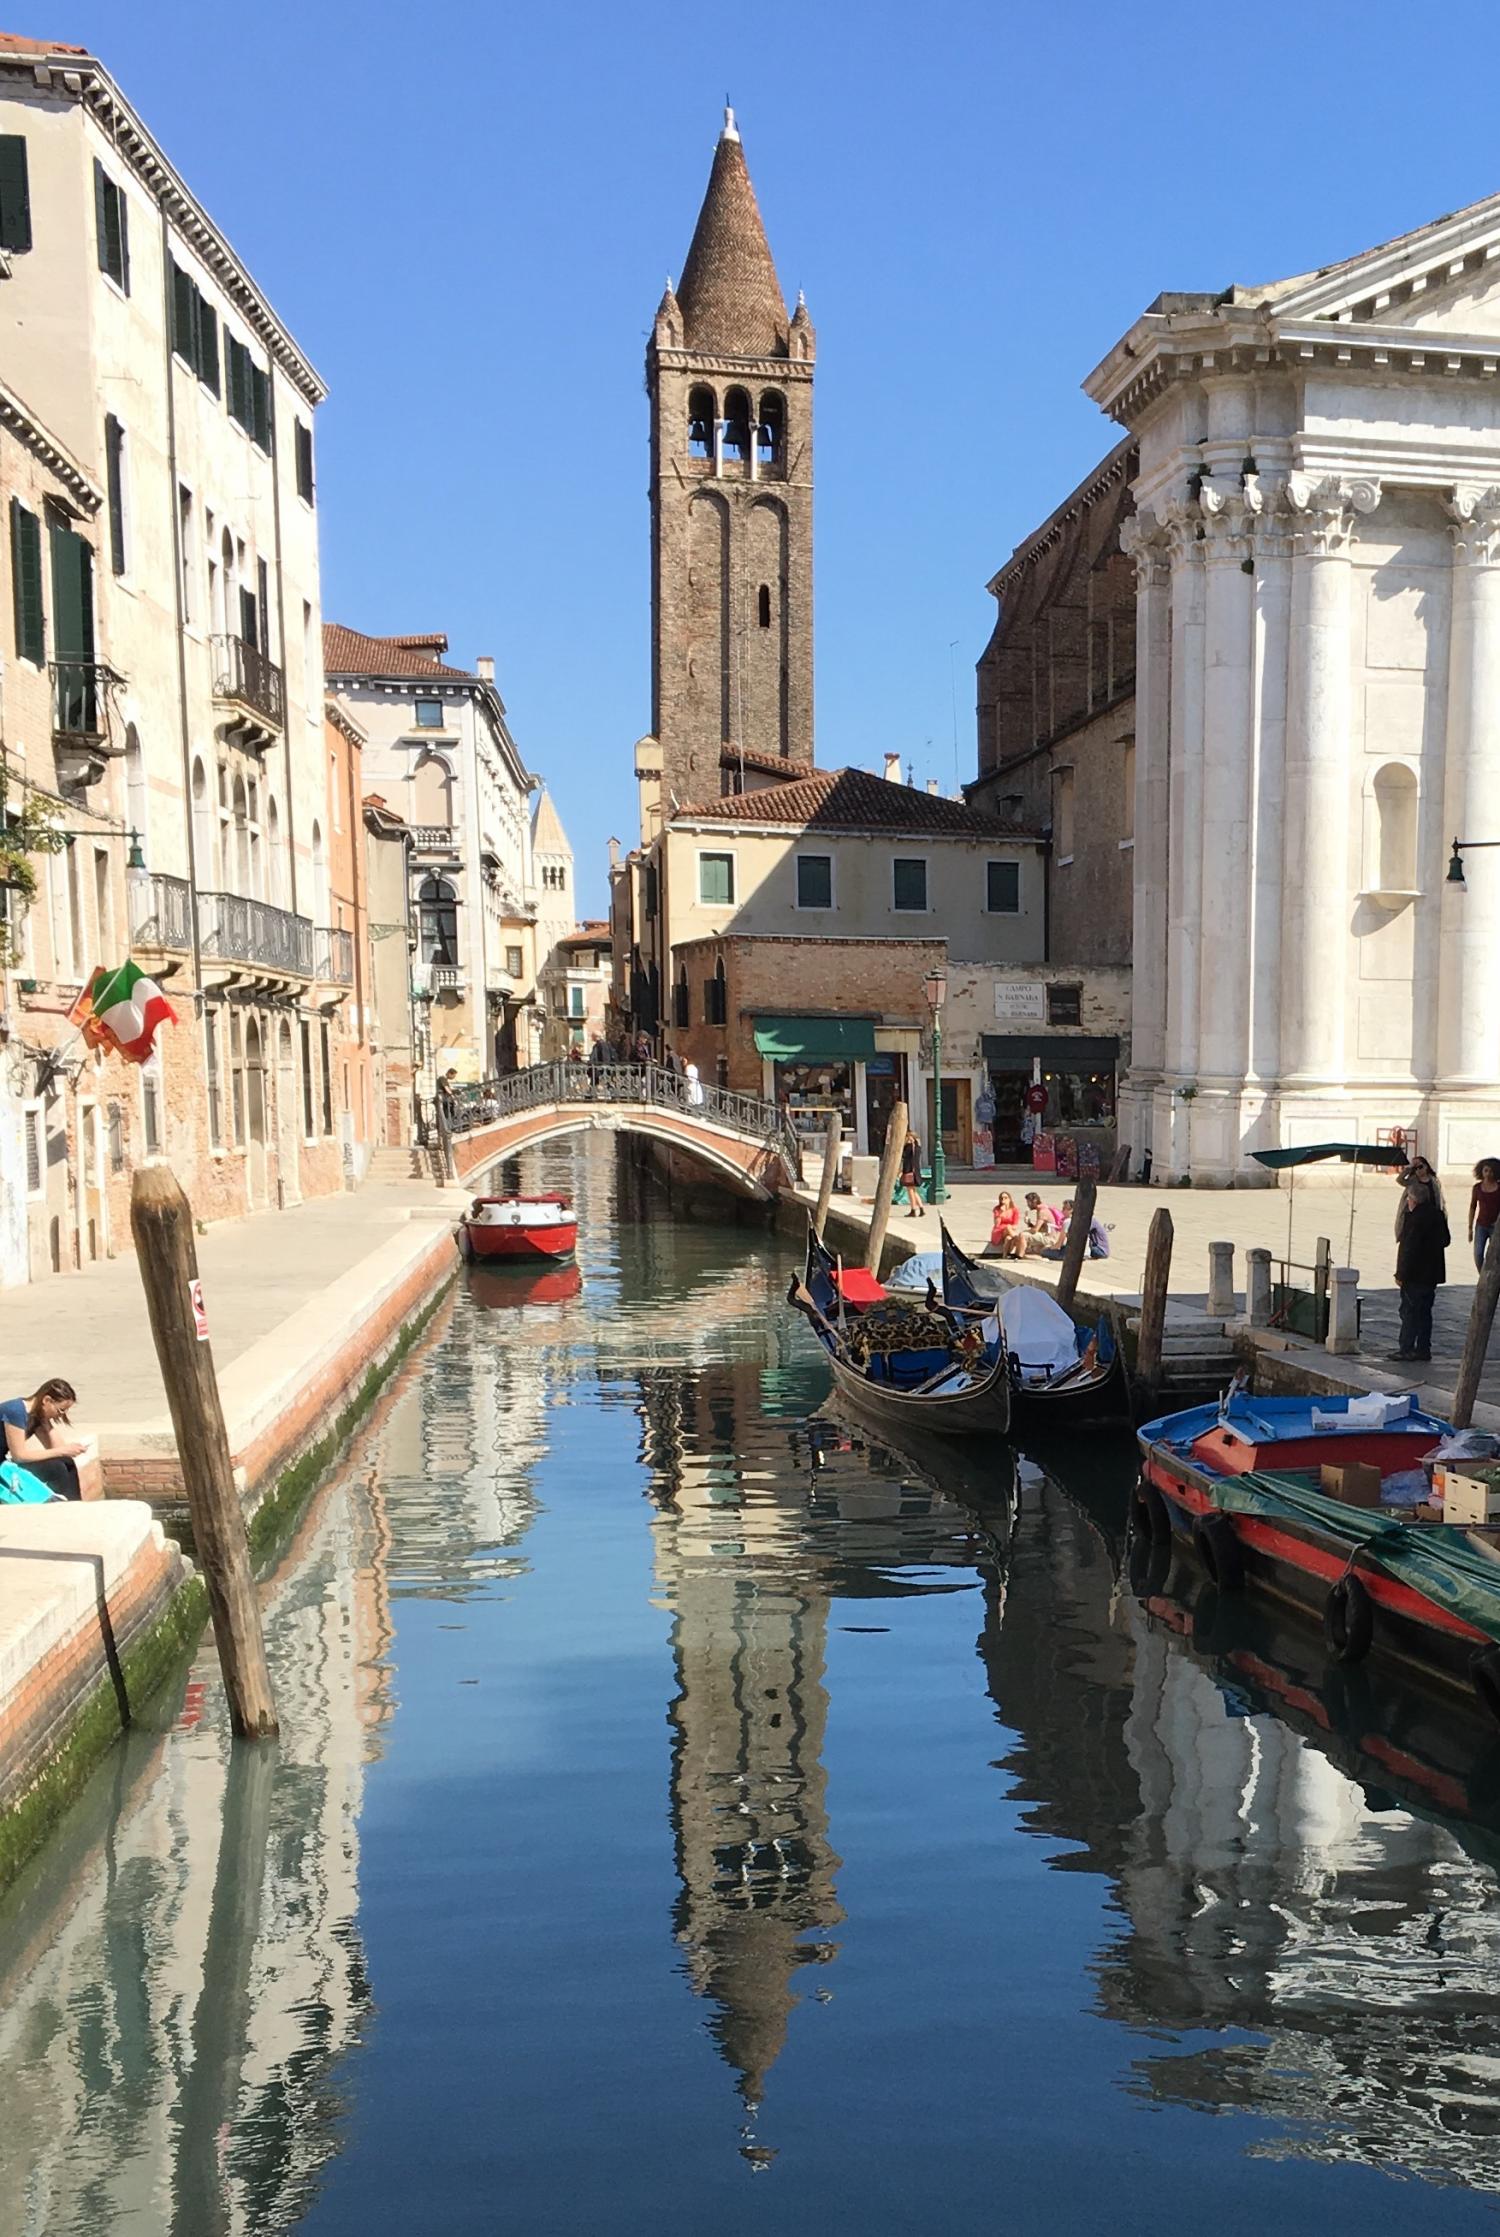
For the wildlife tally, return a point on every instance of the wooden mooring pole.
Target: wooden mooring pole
(161, 1221)
(885, 1186)
(832, 1147)
(1084, 1198)
(1154, 1281)
(1477, 1338)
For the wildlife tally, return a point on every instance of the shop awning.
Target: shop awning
(816, 1040)
(1059, 1052)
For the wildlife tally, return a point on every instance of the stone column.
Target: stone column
(1469, 954)
(1272, 642)
(1315, 932)
(1258, 1288)
(1143, 537)
(1220, 1280)
(1343, 1317)
(1228, 754)
(1185, 793)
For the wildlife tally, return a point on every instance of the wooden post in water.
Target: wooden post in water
(833, 1145)
(885, 1186)
(161, 1221)
(1477, 1337)
(1084, 1196)
(1154, 1298)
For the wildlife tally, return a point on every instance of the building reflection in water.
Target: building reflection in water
(760, 1527)
(1343, 1944)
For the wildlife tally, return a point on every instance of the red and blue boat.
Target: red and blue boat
(1242, 1483)
(519, 1230)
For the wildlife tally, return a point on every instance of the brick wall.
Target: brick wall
(880, 979)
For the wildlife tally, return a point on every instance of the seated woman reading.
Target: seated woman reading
(1007, 1237)
(36, 1439)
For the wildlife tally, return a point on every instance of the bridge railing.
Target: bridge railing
(461, 1109)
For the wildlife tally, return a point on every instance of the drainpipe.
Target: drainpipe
(184, 724)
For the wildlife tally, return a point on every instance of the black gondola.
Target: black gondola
(959, 1387)
(1094, 1388)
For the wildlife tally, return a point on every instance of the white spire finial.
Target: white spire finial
(731, 130)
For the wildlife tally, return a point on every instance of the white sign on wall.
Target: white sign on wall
(1021, 998)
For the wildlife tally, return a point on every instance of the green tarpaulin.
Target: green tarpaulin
(1349, 1153)
(816, 1040)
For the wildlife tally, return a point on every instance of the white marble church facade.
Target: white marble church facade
(1317, 538)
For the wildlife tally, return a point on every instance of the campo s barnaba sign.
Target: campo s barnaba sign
(1021, 998)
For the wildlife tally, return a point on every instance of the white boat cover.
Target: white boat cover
(1039, 1332)
(521, 1215)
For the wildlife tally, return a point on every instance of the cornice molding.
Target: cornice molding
(59, 462)
(746, 368)
(83, 79)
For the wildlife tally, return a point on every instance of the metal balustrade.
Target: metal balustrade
(244, 674)
(234, 929)
(80, 698)
(333, 956)
(161, 912)
(648, 1086)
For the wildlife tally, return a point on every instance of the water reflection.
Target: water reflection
(794, 1761)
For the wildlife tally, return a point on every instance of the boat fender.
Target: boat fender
(1484, 1672)
(1216, 1543)
(1349, 1620)
(1151, 1510)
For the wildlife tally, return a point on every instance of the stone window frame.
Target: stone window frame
(718, 854)
(815, 908)
(904, 909)
(1002, 862)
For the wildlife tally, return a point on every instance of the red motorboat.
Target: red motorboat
(519, 1229)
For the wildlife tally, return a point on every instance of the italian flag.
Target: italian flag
(121, 1010)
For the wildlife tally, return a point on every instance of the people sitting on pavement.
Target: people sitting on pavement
(1044, 1226)
(1007, 1239)
(1098, 1232)
(36, 1438)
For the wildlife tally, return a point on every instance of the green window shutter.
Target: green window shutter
(239, 380)
(111, 227)
(260, 389)
(101, 221)
(72, 593)
(122, 237)
(26, 582)
(304, 462)
(114, 464)
(208, 345)
(15, 195)
(182, 314)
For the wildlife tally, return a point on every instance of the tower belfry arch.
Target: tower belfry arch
(730, 376)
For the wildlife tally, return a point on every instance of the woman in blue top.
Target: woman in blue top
(32, 1440)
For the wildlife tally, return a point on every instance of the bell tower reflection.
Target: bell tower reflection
(748, 1788)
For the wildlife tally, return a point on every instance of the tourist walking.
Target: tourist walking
(1484, 1205)
(911, 1174)
(1422, 1237)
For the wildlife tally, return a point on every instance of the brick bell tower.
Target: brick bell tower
(730, 379)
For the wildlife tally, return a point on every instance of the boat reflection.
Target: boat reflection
(500, 1289)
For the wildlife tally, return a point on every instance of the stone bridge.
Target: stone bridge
(741, 1139)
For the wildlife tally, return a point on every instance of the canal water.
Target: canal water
(692, 1814)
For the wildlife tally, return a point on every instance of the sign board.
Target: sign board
(200, 1314)
(1021, 998)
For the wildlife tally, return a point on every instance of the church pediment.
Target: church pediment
(1442, 279)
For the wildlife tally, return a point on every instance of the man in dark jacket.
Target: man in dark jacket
(1422, 1238)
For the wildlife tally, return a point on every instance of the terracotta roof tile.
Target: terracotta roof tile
(18, 43)
(349, 652)
(729, 295)
(853, 800)
(764, 764)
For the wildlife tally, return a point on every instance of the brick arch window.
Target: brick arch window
(737, 424)
(763, 606)
(680, 999)
(703, 410)
(770, 432)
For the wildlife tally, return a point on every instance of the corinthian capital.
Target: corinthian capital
(1323, 511)
(1143, 539)
(1475, 518)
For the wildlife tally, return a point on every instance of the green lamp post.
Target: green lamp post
(935, 987)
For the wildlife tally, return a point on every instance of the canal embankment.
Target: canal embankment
(1199, 1341)
(309, 1311)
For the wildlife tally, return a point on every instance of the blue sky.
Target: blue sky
(466, 213)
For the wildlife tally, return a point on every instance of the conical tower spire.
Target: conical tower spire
(731, 299)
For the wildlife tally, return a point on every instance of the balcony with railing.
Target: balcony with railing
(161, 914)
(250, 684)
(234, 929)
(81, 691)
(333, 956)
(447, 978)
(434, 838)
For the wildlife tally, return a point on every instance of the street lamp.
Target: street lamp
(1456, 864)
(935, 987)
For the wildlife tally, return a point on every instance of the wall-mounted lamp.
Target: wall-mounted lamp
(135, 856)
(1456, 864)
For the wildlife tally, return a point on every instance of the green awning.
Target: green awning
(816, 1040)
(1349, 1153)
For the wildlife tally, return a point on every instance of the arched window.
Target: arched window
(241, 854)
(680, 999)
(763, 605)
(255, 1081)
(715, 1007)
(320, 876)
(135, 788)
(737, 424)
(770, 433)
(432, 793)
(276, 870)
(203, 828)
(1396, 825)
(437, 917)
(703, 410)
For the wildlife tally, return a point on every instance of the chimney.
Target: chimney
(893, 768)
(485, 667)
(614, 854)
(932, 786)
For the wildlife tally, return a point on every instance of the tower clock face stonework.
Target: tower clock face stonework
(730, 378)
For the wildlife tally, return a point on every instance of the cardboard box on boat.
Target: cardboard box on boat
(1470, 1495)
(1356, 1482)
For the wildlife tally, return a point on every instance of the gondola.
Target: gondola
(1093, 1388)
(959, 1386)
